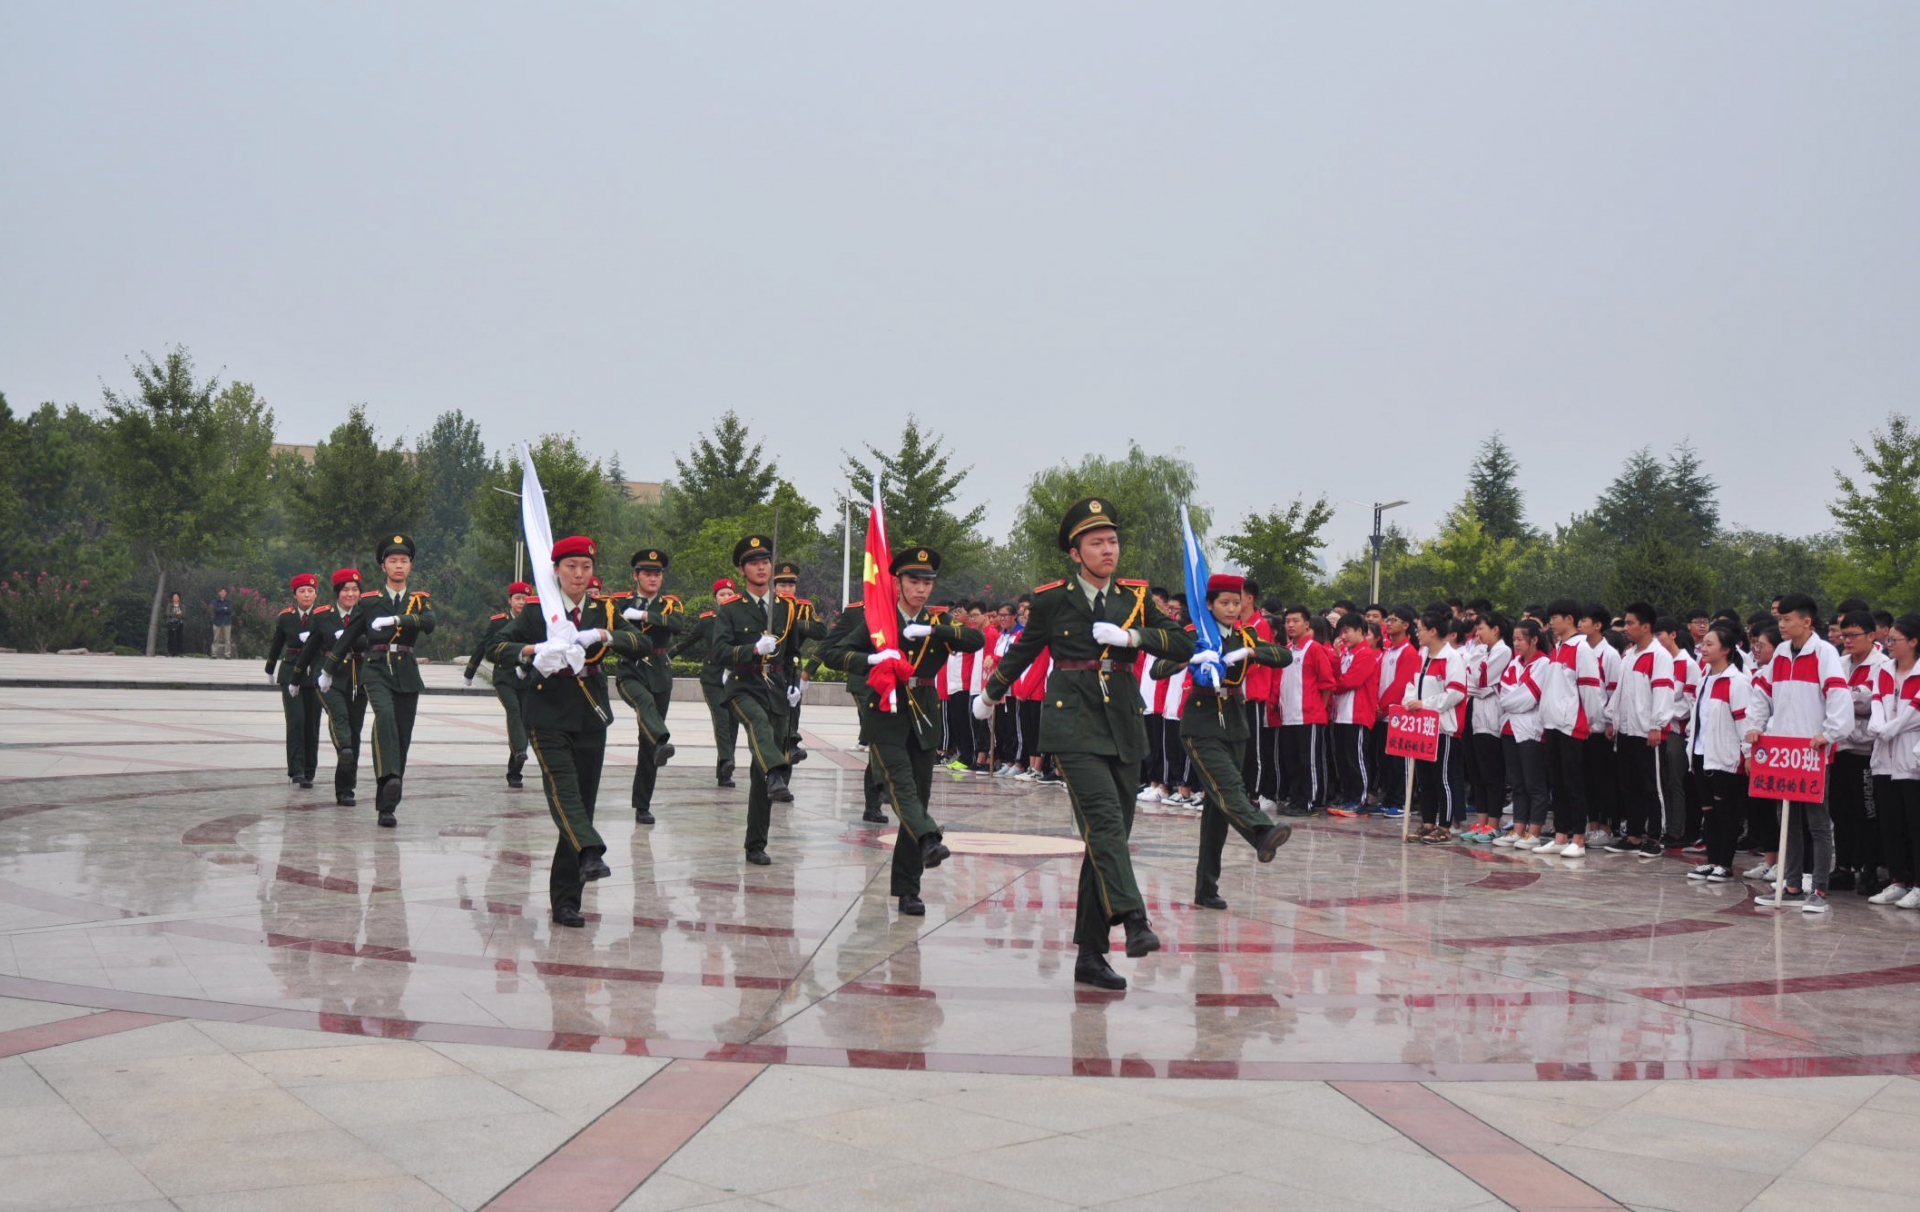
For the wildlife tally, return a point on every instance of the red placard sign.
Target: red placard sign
(1413, 732)
(1786, 768)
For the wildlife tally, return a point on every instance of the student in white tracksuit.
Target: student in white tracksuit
(1717, 751)
(1806, 690)
(1895, 725)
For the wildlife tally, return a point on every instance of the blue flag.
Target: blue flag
(1206, 632)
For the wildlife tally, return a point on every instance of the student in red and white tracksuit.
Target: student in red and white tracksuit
(1440, 786)
(1599, 755)
(1356, 694)
(1572, 695)
(1638, 713)
(1029, 688)
(1399, 665)
(1153, 700)
(1717, 750)
(1487, 661)
(1895, 725)
(1856, 844)
(1305, 685)
(1676, 773)
(1522, 735)
(1805, 689)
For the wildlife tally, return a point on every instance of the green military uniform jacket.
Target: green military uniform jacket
(1089, 709)
(849, 645)
(390, 657)
(291, 631)
(564, 701)
(736, 628)
(1220, 715)
(666, 619)
(696, 642)
(322, 628)
(496, 627)
(810, 626)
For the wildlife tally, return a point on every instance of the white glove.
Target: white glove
(916, 631)
(551, 655)
(593, 635)
(293, 690)
(384, 621)
(1110, 636)
(304, 635)
(339, 632)
(325, 682)
(633, 614)
(1204, 656)
(982, 707)
(1236, 656)
(793, 695)
(765, 645)
(576, 657)
(271, 679)
(883, 655)
(469, 681)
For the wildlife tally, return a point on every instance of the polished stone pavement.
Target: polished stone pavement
(225, 992)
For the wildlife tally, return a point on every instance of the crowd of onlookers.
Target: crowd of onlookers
(1566, 732)
(220, 616)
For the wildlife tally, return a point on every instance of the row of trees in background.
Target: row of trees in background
(175, 486)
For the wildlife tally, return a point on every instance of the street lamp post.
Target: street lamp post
(1378, 536)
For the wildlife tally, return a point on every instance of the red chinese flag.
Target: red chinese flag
(882, 606)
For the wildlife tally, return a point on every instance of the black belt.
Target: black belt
(390, 648)
(925, 681)
(1090, 666)
(1232, 694)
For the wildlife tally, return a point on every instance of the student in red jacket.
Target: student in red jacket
(1356, 694)
(1399, 662)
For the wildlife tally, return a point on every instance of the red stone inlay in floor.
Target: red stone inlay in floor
(73, 1030)
(1617, 934)
(1824, 983)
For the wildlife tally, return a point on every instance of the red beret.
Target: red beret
(519, 587)
(578, 545)
(723, 583)
(593, 582)
(344, 575)
(304, 580)
(1226, 582)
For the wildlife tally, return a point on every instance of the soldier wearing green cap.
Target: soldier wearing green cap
(1090, 719)
(755, 636)
(391, 619)
(645, 681)
(786, 583)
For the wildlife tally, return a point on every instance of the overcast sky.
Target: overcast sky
(1318, 247)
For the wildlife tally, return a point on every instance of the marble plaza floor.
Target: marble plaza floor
(218, 991)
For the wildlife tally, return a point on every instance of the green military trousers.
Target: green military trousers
(907, 773)
(726, 729)
(345, 703)
(764, 731)
(570, 764)
(302, 711)
(506, 688)
(1102, 790)
(650, 709)
(1219, 765)
(393, 712)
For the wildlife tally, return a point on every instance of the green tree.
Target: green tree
(1693, 500)
(1146, 491)
(1877, 518)
(1493, 486)
(452, 463)
(720, 477)
(1675, 500)
(1280, 548)
(1466, 560)
(918, 488)
(1354, 578)
(792, 521)
(1662, 573)
(1750, 568)
(185, 461)
(573, 480)
(354, 492)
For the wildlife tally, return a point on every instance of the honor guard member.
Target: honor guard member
(345, 700)
(508, 680)
(786, 583)
(755, 636)
(300, 704)
(901, 742)
(646, 682)
(567, 713)
(1214, 732)
(696, 643)
(391, 619)
(1090, 719)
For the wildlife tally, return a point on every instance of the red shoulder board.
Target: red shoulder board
(533, 599)
(289, 610)
(1049, 585)
(706, 614)
(421, 593)
(1188, 627)
(328, 609)
(855, 605)
(624, 593)
(804, 601)
(496, 618)
(674, 598)
(1135, 584)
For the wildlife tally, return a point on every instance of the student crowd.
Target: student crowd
(1568, 731)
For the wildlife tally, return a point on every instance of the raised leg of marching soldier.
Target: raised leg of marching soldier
(726, 732)
(1217, 764)
(1102, 791)
(649, 708)
(874, 786)
(570, 765)
(343, 731)
(302, 712)
(506, 688)
(765, 732)
(908, 776)
(393, 712)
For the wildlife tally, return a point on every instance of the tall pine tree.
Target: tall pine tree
(721, 476)
(918, 487)
(1493, 488)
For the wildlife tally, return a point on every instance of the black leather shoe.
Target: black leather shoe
(661, 754)
(933, 851)
(1141, 940)
(777, 787)
(1270, 841)
(913, 906)
(388, 820)
(1094, 970)
(1210, 902)
(388, 797)
(306, 782)
(344, 799)
(515, 764)
(723, 774)
(874, 815)
(593, 867)
(796, 754)
(759, 858)
(568, 917)
(642, 817)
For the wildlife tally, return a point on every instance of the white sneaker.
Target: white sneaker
(1890, 895)
(1763, 872)
(1152, 795)
(1267, 805)
(1701, 872)
(1029, 775)
(1573, 850)
(1174, 798)
(1507, 839)
(1550, 848)
(1528, 843)
(1910, 901)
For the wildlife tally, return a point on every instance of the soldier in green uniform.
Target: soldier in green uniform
(1090, 719)
(567, 713)
(786, 583)
(646, 682)
(300, 704)
(1213, 730)
(345, 699)
(902, 741)
(507, 681)
(390, 619)
(755, 636)
(696, 643)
